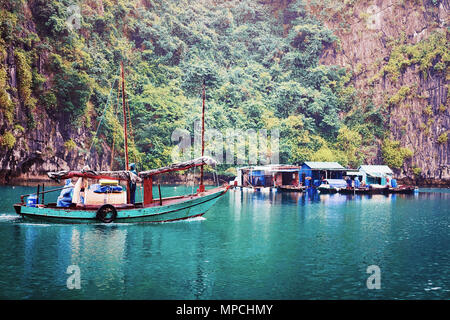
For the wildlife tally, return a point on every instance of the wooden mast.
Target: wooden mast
(201, 188)
(124, 117)
(115, 114)
(125, 128)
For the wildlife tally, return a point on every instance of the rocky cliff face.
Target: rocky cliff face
(45, 148)
(398, 53)
(49, 143)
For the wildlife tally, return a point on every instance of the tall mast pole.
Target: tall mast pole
(202, 186)
(125, 129)
(115, 114)
(124, 117)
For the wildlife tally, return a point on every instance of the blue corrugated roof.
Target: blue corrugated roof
(324, 165)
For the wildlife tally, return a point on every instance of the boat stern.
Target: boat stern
(18, 208)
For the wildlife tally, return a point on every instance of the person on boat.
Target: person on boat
(133, 185)
(80, 188)
(65, 197)
(357, 184)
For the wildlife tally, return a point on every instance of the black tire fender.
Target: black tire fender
(104, 210)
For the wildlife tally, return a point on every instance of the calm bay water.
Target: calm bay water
(250, 245)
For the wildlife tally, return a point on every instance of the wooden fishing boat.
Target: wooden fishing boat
(109, 210)
(404, 190)
(109, 202)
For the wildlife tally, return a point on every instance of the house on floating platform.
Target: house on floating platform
(267, 176)
(285, 175)
(375, 175)
(313, 173)
(253, 176)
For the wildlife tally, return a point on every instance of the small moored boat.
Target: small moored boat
(380, 190)
(332, 185)
(289, 188)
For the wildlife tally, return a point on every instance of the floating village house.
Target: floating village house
(253, 176)
(285, 175)
(309, 173)
(268, 176)
(375, 174)
(312, 173)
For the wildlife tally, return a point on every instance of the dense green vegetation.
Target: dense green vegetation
(7, 140)
(261, 69)
(393, 154)
(431, 53)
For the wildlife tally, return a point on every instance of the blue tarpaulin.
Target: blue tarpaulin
(105, 189)
(257, 178)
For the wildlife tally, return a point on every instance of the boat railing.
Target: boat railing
(38, 193)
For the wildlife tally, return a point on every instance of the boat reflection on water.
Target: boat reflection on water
(116, 260)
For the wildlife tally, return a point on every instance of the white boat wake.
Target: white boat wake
(9, 217)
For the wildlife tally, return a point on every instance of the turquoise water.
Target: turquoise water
(250, 245)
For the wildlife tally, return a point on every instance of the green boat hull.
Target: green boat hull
(183, 209)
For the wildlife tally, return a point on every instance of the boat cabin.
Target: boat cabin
(94, 188)
(105, 191)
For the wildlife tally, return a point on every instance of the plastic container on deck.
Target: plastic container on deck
(31, 200)
(394, 183)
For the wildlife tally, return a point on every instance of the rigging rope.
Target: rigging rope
(101, 120)
(131, 129)
(114, 133)
(115, 115)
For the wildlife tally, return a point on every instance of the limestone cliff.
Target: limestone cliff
(398, 54)
(36, 140)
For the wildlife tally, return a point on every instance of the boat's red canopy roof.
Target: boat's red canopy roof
(128, 175)
(116, 175)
